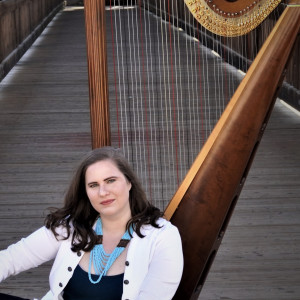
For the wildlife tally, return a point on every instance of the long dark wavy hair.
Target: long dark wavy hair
(78, 215)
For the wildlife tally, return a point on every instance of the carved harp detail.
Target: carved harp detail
(231, 18)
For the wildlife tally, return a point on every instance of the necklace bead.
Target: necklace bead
(101, 260)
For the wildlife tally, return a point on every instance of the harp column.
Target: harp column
(97, 71)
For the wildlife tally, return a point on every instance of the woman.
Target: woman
(107, 240)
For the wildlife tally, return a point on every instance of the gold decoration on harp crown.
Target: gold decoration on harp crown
(229, 19)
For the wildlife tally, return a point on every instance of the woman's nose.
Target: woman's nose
(102, 190)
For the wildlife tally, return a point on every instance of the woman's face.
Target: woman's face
(108, 189)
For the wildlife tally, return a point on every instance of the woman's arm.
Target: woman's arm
(29, 252)
(165, 269)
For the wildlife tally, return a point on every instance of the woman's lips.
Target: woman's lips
(107, 202)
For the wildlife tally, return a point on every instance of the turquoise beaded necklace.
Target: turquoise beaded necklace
(100, 259)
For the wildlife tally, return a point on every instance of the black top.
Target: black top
(79, 287)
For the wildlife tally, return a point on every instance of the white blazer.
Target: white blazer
(153, 268)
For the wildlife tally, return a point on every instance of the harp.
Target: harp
(208, 193)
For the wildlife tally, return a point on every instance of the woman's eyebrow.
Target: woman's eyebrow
(92, 182)
(111, 177)
(105, 179)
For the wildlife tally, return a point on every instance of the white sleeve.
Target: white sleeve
(165, 269)
(29, 252)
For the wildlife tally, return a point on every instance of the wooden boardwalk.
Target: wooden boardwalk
(44, 130)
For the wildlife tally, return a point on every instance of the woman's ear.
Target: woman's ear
(130, 185)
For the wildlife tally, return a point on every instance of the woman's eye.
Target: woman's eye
(93, 185)
(111, 180)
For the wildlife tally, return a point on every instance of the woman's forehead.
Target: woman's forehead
(105, 167)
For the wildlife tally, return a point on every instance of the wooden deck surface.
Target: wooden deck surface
(44, 130)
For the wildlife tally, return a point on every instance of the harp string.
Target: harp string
(165, 97)
(114, 59)
(151, 89)
(172, 90)
(136, 91)
(167, 100)
(178, 95)
(144, 80)
(165, 92)
(131, 113)
(139, 107)
(159, 53)
(189, 91)
(167, 88)
(121, 70)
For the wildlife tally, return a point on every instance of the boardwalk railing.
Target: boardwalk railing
(21, 22)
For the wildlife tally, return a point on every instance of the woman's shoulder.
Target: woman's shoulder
(61, 232)
(162, 222)
(163, 225)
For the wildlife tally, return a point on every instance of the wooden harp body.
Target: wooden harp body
(209, 193)
(202, 206)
